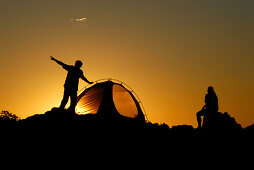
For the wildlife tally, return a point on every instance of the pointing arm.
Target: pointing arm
(57, 61)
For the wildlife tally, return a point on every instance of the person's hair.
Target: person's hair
(210, 89)
(78, 63)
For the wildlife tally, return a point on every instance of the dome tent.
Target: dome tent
(110, 100)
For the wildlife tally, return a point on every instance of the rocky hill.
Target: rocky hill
(63, 122)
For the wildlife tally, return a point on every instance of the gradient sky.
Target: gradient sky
(168, 51)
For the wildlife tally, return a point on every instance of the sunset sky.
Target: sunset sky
(168, 51)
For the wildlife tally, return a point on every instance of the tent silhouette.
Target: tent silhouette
(110, 100)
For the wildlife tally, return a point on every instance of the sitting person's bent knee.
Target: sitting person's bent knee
(198, 114)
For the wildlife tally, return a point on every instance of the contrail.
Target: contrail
(81, 19)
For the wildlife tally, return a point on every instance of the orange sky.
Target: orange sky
(169, 52)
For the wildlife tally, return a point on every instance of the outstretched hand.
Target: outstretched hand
(52, 58)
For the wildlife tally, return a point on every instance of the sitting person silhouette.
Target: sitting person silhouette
(71, 83)
(210, 107)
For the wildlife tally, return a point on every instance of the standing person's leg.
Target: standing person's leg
(65, 98)
(73, 101)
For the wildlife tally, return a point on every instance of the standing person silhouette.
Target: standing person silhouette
(211, 105)
(71, 83)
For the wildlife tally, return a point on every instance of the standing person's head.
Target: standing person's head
(210, 90)
(78, 64)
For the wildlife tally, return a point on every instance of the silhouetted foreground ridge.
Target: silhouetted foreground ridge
(60, 133)
(62, 122)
